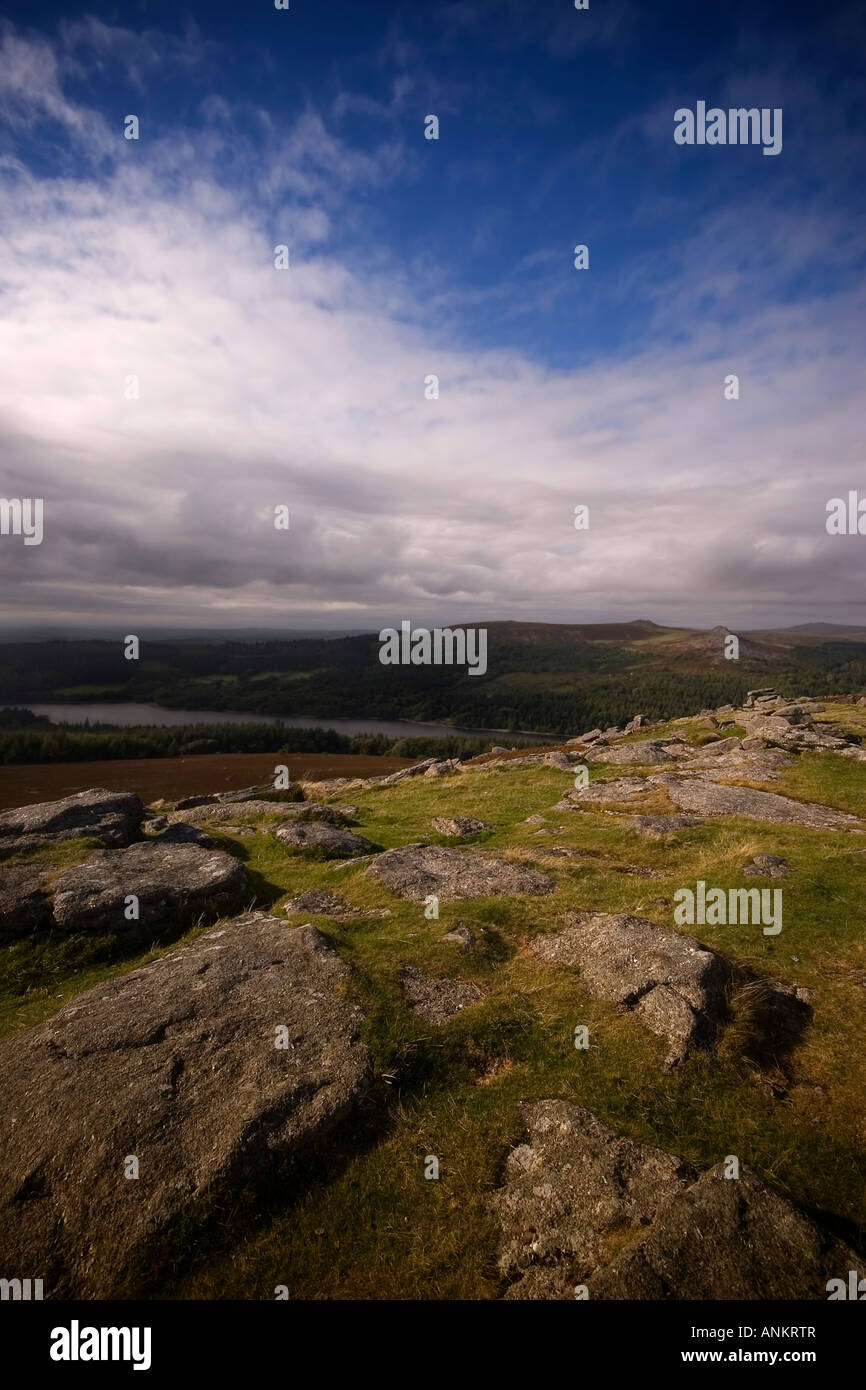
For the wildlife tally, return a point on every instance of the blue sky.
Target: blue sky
(411, 257)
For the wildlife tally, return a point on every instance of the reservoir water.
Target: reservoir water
(127, 714)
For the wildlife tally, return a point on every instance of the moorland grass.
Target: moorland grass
(358, 1219)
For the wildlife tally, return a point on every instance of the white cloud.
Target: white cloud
(260, 387)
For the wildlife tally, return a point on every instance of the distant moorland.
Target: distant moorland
(544, 677)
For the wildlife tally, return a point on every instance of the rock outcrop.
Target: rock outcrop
(643, 751)
(614, 792)
(181, 834)
(653, 826)
(112, 818)
(585, 1207)
(174, 1065)
(175, 885)
(672, 983)
(234, 813)
(711, 799)
(416, 871)
(313, 810)
(317, 837)
(318, 902)
(460, 826)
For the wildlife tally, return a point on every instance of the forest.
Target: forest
(536, 682)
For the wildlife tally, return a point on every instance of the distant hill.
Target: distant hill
(842, 629)
(542, 677)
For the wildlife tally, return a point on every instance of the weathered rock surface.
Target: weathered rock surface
(793, 727)
(583, 1205)
(794, 714)
(460, 825)
(25, 906)
(110, 817)
(181, 834)
(528, 760)
(718, 747)
(755, 697)
(265, 791)
(763, 1247)
(766, 866)
(392, 778)
(613, 792)
(175, 1063)
(757, 762)
(415, 871)
(651, 826)
(320, 903)
(318, 837)
(174, 884)
(460, 936)
(314, 810)
(675, 985)
(443, 768)
(571, 1188)
(215, 813)
(711, 799)
(560, 760)
(647, 750)
(435, 1000)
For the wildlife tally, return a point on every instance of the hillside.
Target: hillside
(334, 1091)
(543, 677)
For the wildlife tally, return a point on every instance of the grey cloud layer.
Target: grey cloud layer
(260, 387)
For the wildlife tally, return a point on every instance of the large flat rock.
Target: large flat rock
(674, 985)
(318, 837)
(312, 810)
(617, 791)
(711, 799)
(582, 1205)
(642, 752)
(175, 884)
(417, 871)
(760, 765)
(720, 747)
(112, 818)
(230, 813)
(176, 1064)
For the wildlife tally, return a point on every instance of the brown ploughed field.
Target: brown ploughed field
(171, 778)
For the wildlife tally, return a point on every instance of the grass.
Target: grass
(359, 1220)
